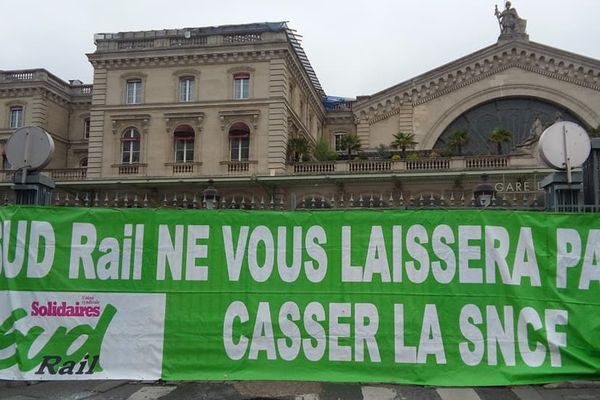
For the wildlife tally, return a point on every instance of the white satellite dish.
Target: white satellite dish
(564, 145)
(29, 148)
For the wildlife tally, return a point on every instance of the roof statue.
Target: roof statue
(511, 25)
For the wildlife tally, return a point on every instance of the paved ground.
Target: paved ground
(122, 390)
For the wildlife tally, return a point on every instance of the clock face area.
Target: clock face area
(525, 118)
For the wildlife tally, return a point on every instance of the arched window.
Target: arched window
(130, 146)
(83, 163)
(184, 144)
(239, 141)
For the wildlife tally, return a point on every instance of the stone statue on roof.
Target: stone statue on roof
(511, 25)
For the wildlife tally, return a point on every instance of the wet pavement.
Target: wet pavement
(126, 390)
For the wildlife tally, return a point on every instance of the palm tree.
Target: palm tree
(459, 139)
(498, 136)
(350, 143)
(404, 140)
(322, 151)
(297, 148)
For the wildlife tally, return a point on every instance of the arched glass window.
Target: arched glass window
(130, 146)
(184, 144)
(239, 141)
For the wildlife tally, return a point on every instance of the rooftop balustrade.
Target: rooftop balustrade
(75, 88)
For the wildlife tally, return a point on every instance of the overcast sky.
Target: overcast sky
(355, 47)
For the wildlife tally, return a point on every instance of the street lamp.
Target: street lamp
(484, 193)
(210, 196)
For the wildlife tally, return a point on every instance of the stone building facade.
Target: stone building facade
(171, 110)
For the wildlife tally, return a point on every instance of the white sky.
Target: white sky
(356, 47)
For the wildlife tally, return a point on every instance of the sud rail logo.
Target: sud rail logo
(66, 349)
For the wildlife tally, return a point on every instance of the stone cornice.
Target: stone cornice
(151, 58)
(533, 57)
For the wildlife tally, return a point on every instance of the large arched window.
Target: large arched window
(239, 141)
(184, 144)
(130, 146)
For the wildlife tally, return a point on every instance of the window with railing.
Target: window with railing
(239, 141)
(184, 144)
(16, 117)
(130, 146)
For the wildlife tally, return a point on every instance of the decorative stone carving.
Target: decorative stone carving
(528, 56)
(120, 122)
(511, 25)
(174, 119)
(250, 116)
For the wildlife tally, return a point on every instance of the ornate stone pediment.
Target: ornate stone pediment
(481, 65)
(250, 116)
(194, 119)
(122, 121)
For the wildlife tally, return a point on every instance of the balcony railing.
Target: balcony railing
(66, 174)
(237, 166)
(486, 162)
(307, 168)
(126, 41)
(422, 164)
(130, 169)
(36, 75)
(369, 166)
(185, 169)
(69, 174)
(433, 164)
(314, 168)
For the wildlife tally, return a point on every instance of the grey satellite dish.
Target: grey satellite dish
(29, 148)
(564, 145)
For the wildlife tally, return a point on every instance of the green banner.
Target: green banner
(452, 298)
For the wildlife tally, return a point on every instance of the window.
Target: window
(184, 144)
(5, 164)
(241, 85)
(83, 163)
(186, 89)
(239, 141)
(130, 146)
(16, 117)
(86, 128)
(338, 141)
(134, 91)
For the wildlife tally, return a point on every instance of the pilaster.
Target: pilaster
(96, 139)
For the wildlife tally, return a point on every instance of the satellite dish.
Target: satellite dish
(564, 145)
(29, 148)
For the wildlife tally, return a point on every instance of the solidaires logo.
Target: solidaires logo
(67, 351)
